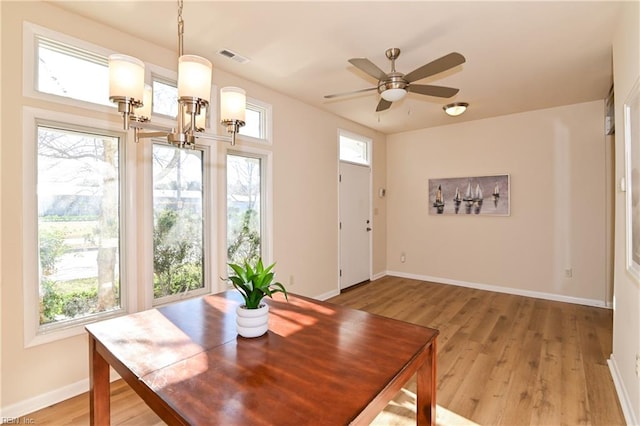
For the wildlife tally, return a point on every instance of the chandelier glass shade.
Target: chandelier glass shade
(126, 77)
(144, 112)
(194, 77)
(232, 103)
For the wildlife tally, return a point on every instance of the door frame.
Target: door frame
(369, 141)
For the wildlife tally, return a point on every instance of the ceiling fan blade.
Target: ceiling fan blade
(369, 67)
(335, 95)
(383, 105)
(442, 64)
(439, 91)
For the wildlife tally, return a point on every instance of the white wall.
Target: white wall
(555, 159)
(626, 314)
(305, 170)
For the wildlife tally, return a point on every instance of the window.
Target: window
(71, 72)
(245, 209)
(79, 234)
(257, 121)
(165, 97)
(178, 222)
(78, 227)
(354, 148)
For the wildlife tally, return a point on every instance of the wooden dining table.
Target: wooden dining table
(319, 363)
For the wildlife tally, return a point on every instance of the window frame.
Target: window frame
(208, 229)
(266, 204)
(266, 122)
(30, 34)
(136, 191)
(157, 77)
(354, 136)
(35, 333)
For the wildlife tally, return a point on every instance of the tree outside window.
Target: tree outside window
(178, 222)
(78, 197)
(244, 209)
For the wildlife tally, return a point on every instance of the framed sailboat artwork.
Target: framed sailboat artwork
(632, 178)
(476, 195)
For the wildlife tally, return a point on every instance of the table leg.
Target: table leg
(99, 387)
(426, 383)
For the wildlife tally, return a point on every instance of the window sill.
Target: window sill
(53, 333)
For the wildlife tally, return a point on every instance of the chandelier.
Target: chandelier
(127, 89)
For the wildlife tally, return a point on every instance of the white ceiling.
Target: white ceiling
(520, 56)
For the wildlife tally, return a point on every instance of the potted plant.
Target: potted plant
(254, 283)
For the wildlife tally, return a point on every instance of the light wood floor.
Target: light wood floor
(502, 360)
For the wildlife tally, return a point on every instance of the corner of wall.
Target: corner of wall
(623, 395)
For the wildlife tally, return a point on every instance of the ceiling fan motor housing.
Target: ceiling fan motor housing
(393, 81)
(393, 88)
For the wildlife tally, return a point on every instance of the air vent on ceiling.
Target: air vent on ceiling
(233, 55)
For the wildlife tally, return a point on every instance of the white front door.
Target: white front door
(355, 224)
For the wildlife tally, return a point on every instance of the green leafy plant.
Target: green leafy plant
(177, 253)
(244, 242)
(52, 247)
(254, 283)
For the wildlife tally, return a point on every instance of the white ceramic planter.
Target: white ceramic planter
(252, 322)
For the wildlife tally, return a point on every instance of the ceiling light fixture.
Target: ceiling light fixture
(455, 109)
(393, 95)
(127, 89)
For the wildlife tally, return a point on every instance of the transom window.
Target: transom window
(354, 148)
(253, 122)
(68, 71)
(257, 121)
(165, 97)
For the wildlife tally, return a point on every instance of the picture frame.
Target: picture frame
(632, 179)
(473, 195)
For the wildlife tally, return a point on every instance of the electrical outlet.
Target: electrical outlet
(290, 280)
(568, 273)
(638, 365)
(403, 258)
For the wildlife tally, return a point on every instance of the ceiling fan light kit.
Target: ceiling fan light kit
(455, 109)
(394, 86)
(393, 95)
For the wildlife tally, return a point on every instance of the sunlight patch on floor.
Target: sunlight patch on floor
(401, 411)
(445, 417)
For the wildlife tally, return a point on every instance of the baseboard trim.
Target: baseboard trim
(327, 295)
(625, 402)
(379, 275)
(27, 406)
(508, 290)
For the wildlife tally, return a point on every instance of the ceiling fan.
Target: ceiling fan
(394, 85)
